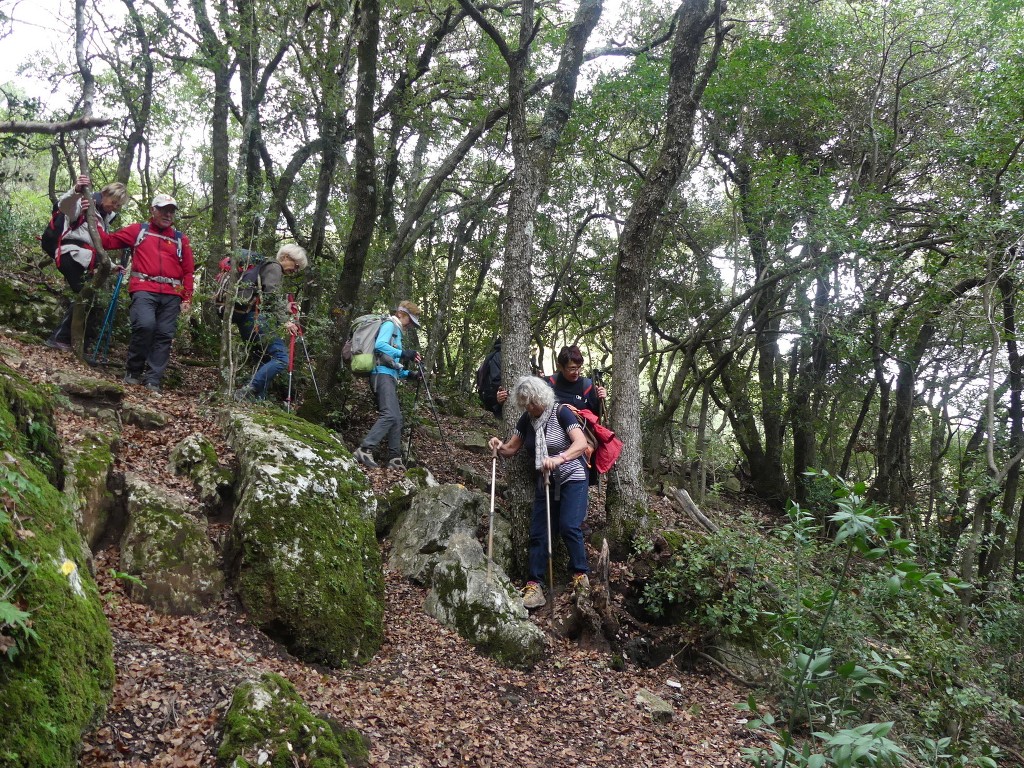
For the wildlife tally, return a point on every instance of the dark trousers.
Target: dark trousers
(389, 423)
(568, 512)
(154, 321)
(75, 275)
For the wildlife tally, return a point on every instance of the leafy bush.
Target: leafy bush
(707, 583)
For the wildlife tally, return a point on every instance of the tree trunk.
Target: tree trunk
(363, 194)
(627, 499)
(87, 297)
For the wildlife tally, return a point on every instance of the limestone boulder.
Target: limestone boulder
(435, 543)
(268, 723)
(399, 496)
(87, 463)
(302, 548)
(195, 457)
(57, 675)
(166, 548)
(28, 305)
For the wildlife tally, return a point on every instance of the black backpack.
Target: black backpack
(52, 234)
(488, 379)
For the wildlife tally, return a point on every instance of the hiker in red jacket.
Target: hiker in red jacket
(160, 284)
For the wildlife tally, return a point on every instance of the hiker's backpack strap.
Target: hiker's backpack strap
(588, 434)
(144, 230)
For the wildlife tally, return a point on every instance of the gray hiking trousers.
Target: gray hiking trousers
(389, 423)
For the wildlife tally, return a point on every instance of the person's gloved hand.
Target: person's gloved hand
(415, 375)
(408, 354)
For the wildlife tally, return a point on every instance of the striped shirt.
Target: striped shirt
(561, 422)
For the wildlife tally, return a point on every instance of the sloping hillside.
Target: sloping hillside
(427, 699)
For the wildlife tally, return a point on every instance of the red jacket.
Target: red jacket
(156, 256)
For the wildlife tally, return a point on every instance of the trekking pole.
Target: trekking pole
(433, 409)
(551, 566)
(490, 524)
(107, 329)
(305, 350)
(291, 370)
(415, 399)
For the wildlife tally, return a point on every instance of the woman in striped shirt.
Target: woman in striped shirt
(553, 434)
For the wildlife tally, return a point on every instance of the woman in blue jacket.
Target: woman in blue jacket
(392, 364)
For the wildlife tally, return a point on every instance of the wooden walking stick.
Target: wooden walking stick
(490, 524)
(551, 566)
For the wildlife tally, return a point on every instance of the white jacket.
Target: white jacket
(75, 242)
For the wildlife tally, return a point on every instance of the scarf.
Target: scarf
(541, 450)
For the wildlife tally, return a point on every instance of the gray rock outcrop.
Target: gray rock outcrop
(435, 544)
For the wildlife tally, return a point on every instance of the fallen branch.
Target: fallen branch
(682, 500)
(31, 126)
(729, 672)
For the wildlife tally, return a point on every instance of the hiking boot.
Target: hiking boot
(533, 595)
(581, 585)
(63, 346)
(131, 379)
(396, 463)
(244, 394)
(153, 387)
(364, 457)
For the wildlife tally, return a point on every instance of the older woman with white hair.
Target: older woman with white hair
(554, 436)
(262, 327)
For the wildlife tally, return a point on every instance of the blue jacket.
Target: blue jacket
(389, 344)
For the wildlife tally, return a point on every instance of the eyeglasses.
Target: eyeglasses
(573, 368)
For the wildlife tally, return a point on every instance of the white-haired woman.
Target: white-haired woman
(262, 328)
(553, 434)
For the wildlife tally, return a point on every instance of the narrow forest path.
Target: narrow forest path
(426, 699)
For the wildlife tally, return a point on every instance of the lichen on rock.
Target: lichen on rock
(166, 548)
(434, 543)
(195, 457)
(306, 562)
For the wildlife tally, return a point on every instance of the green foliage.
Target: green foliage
(707, 583)
(866, 633)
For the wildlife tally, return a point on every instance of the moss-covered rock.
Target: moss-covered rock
(143, 417)
(27, 421)
(484, 608)
(269, 724)
(87, 467)
(423, 532)
(195, 457)
(167, 549)
(398, 497)
(28, 306)
(302, 539)
(62, 673)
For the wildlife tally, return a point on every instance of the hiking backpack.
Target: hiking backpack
(54, 231)
(358, 352)
(488, 379)
(144, 232)
(247, 262)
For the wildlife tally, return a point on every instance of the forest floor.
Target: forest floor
(426, 699)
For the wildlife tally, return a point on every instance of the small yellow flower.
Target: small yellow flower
(68, 567)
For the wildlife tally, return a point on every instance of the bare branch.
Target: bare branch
(51, 129)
